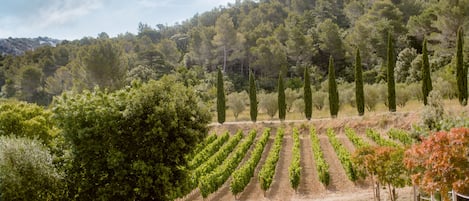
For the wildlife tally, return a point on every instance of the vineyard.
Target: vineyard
(287, 162)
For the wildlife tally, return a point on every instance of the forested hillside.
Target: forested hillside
(266, 36)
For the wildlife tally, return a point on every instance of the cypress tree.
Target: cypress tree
(220, 98)
(333, 93)
(253, 96)
(359, 94)
(427, 80)
(307, 94)
(461, 70)
(282, 106)
(390, 76)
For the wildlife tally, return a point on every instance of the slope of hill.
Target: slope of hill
(17, 46)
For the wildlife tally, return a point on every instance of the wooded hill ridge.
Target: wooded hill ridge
(266, 36)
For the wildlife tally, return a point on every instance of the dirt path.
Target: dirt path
(338, 180)
(310, 186)
(281, 189)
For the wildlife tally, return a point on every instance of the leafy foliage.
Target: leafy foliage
(242, 176)
(208, 151)
(131, 144)
(212, 181)
(343, 155)
(401, 135)
(27, 172)
(357, 141)
(294, 170)
(440, 162)
(376, 136)
(321, 165)
(267, 172)
(215, 160)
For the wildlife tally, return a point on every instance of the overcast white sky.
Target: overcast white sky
(74, 19)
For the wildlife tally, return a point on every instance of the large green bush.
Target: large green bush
(26, 120)
(130, 144)
(27, 172)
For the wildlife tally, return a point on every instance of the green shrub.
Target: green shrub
(131, 144)
(27, 172)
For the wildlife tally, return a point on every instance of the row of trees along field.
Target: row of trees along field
(237, 101)
(262, 37)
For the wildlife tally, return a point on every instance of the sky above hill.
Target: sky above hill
(75, 19)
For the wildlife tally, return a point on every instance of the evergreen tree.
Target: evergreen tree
(282, 106)
(461, 70)
(390, 76)
(359, 94)
(333, 93)
(427, 80)
(253, 96)
(220, 98)
(307, 94)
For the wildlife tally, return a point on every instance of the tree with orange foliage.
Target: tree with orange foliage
(385, 165)
(441, 162)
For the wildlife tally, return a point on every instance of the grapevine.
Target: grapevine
(375, 136)
(343, 154)
(295, 169)
(355, 139)
(242, 176)
(212, 181)
(268, 170)
(208, 151)
(400, 135)
(321, 165)
(215, 160)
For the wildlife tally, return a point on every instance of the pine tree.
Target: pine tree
(390, 76)
(333, 93)
(359, 94)
(253, 96)
(427, 80)
(461, 70)
(282, 106)
(307, 94)
(220, 98)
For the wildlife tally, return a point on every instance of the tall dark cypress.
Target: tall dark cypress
(359, 94)
(427, 80)
(307, 94)
(253, 96)
(461, 70)
(220, 98)
(333, 93)
(390, 76)
(282, 106)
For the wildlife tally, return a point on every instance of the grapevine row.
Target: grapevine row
(267, 172)
(402, 136)
(242, 176)
(343, 155)
(321, 165)
(375, 136)
(357, 141)
(208, 151)
(202, 145)
(295, 169)
(216, 159)
(211, 182)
